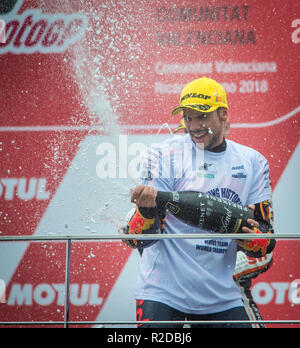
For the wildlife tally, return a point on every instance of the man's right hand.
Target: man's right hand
(144, 196)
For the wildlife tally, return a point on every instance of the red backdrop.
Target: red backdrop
(65, 67)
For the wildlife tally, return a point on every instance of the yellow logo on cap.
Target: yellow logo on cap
(195, 95)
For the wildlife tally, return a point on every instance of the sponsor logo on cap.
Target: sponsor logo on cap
(195, 95)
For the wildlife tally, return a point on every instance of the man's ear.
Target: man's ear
(226, 128)
(223, 114)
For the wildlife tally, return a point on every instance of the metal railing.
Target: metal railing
(69, 238)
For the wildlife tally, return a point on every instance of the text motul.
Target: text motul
(24, 189)
(279, 292)
(48, 294)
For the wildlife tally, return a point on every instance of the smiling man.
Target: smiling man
(203, 103)
(193, 278)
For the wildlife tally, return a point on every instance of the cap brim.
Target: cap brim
(197, 107)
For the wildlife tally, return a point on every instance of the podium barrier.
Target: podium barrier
(69, 238)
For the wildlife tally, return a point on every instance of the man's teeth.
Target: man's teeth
(200, 135)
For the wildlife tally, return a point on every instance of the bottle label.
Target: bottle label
(202, 215)
(225, 221)
(237, 226)
(174, 209)
(175, 196)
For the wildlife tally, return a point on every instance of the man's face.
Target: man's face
(207, 128)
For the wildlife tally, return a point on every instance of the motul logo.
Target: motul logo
(6, 6)
(23, 189)
(49, 294)
(34, 31)
(279, 292)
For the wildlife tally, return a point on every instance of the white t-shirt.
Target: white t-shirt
(195, 275)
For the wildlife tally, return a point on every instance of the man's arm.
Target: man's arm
(143, 221)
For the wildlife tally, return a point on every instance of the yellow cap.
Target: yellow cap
(204, 94)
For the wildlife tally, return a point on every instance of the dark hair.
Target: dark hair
(7, 6)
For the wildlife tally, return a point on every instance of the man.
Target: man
(193, 278)
(246, 268)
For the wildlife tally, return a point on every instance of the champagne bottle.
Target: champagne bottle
(205, 211)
